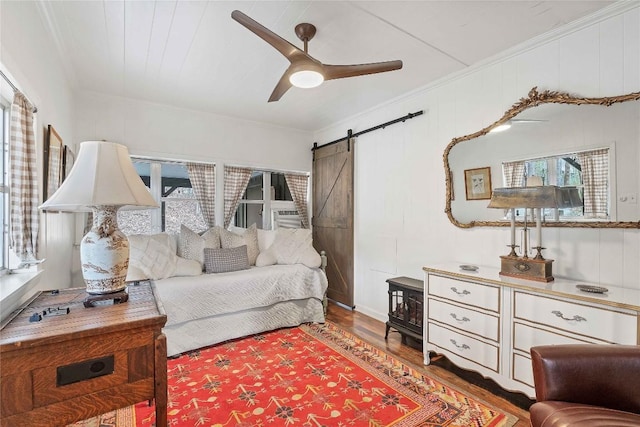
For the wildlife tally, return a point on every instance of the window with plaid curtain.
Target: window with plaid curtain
(24, 180)
(203, 181)
(298, 187)
(235, 184)
(595, 181)
(513, 174)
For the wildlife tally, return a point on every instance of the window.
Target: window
(169, 183)
(4, 184)
(267, 192)
(587, 172)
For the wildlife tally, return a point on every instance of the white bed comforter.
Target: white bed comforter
(197, 297)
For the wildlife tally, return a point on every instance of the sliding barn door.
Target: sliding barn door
(333, 216)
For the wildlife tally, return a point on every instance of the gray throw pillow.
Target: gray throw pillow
(223, 260)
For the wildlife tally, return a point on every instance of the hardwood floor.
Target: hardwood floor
(372, 331)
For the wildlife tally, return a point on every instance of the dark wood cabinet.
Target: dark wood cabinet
(406, 307)
(61, 362)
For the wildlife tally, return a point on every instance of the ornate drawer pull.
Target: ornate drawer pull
(575, 318)
(464, 292)
(464, 318)
(461, 347)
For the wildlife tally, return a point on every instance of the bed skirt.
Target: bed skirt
(211, 330)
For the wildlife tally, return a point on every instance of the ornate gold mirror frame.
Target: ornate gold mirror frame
(534, 99)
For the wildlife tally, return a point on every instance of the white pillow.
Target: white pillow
(187, 267)
(191, 244)
(237, 230)
(134, 274)
(266, 258)
(265, 239)
(229, 239)
(212, 237)
(291, 246)
(151, 256)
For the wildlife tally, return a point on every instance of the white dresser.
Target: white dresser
(487, 323)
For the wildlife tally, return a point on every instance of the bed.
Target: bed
(282, 284)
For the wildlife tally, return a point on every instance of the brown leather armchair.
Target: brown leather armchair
(586, 385)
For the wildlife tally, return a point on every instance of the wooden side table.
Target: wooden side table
(406, 307)
(68, 367)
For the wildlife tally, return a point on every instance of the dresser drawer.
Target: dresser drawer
(525, 337)
(522, 370)
(592, 322)
(466, 319)
(463, 346)
(477, 295)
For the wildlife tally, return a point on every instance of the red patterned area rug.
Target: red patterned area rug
(309, 376)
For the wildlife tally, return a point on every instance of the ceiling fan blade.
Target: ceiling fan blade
(332, 72)
(283, 85)
(281, 45)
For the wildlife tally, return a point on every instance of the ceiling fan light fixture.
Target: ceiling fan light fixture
(306, 79)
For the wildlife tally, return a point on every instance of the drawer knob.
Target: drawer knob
(575, 318)
(464, 292)
(461, 347)
(455, 317)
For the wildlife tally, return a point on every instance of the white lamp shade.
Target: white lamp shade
(102, 175)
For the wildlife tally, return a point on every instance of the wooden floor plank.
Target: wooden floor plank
(372, 331)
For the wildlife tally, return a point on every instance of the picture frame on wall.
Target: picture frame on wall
(53, 155)
(477, 183)
(68, 159)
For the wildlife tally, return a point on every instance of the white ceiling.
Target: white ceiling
(191, 54)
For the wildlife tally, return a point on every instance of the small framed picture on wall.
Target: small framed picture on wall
(53, 148)
(477, 183)
(68, 159)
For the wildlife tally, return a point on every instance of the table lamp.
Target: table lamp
(102, 180)
(535, 198)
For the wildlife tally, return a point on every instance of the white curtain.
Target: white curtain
(236, 180)
(203, 182)
(513, 174)
(595, 179)
(24, 180)
(298, 187)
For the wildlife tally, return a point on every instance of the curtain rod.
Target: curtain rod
(15, 89)
(350, 134)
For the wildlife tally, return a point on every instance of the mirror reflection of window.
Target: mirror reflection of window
(586, 171)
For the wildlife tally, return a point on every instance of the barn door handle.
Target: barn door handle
(464, 292)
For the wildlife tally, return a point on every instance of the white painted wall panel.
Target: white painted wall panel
(611, 47)
(28, 53)
(536, 67)
(579, 60)
(631, 22)
(463, 104)
(166, 132)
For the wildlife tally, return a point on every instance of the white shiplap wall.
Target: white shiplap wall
(166, 132)
(400, 224)
(29, 54)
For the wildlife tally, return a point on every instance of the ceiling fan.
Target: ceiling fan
(306, 71)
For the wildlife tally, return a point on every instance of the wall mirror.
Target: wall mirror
(552, 132)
